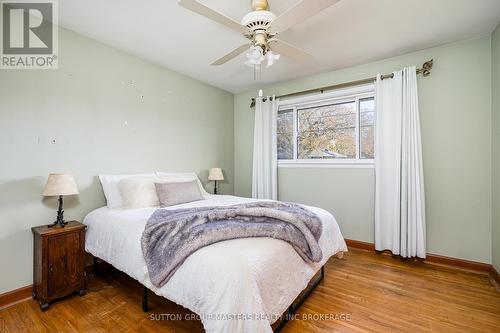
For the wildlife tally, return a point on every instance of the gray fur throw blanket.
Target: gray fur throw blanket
(170, 236)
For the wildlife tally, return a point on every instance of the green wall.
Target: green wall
(455, 106)
(495, 230)
(92, 107)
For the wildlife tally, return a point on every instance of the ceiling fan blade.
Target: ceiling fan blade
(289, 51)
(203, 10)
(231, 55)
(300, 12)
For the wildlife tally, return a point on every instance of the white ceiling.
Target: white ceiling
(349, 33)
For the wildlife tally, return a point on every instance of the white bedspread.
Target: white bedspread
(239, 285)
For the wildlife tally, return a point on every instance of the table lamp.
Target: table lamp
(60, 184)
(215, 174)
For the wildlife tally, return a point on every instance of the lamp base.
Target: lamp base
(60, 216)
(62, 224)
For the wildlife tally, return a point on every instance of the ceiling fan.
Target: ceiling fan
(262, 27)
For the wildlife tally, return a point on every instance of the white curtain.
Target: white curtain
(264, 180)
(399, 193)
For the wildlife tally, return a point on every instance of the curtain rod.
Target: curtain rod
(424, 71)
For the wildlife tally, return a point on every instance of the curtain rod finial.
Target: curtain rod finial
(426, 68)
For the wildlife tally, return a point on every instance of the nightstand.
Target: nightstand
(58, 262)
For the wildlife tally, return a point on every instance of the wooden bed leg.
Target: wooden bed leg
(96, 271)
(145, 307)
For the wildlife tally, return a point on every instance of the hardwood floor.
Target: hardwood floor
(375, 292)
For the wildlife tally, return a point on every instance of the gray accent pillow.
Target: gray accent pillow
(171, 194)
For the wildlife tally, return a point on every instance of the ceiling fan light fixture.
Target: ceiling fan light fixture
(255, 56)
(271, 58)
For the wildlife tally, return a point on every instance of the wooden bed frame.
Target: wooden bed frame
(280, 323)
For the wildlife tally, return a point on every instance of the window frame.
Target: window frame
(339, 96)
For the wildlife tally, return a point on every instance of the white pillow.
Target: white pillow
(139, 192)
(110, 187)
(182, 177)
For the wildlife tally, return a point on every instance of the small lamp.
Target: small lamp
(60, 184)
(215, 174)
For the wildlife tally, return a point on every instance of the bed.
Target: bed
(240, 285)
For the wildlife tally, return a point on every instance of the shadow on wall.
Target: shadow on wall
(22, 198)
(89, 198)
(69, 202)
(203, 177)
(19, 192)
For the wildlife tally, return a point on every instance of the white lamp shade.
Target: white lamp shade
(60, 184)
(215, 174)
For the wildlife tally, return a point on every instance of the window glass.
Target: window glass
(285, 135)
(327, 132)
(367, 128)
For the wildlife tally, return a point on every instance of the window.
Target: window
(333, 128)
